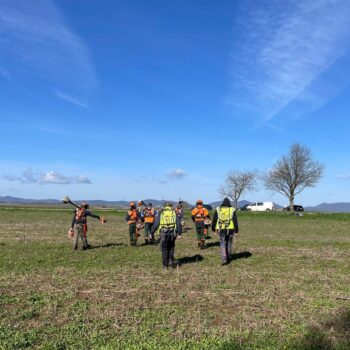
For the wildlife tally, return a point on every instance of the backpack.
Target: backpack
(168, 220)
(224, 217)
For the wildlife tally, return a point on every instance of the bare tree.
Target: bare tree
(238, 182)
(295, 171)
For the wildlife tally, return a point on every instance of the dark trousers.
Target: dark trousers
(133, 233)
(226, 237)
(168, 248)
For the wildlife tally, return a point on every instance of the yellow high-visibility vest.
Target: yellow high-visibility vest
(225, 221)
(167, 219)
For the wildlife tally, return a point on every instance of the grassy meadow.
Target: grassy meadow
(288, 286)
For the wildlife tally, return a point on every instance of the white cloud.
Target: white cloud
(343, 176)
(31, 176)
(176, 174)
(282, 54)
(35, 39)
(52, 177)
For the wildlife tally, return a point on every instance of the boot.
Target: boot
(202, 244)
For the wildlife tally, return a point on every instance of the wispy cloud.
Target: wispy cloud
(343, 176)
(176, 174)
(4, 73)
(40, 128)
(31, 176)
(154, 179)
(35, 39)
(282, 53)
(52, 177)
(71, 99)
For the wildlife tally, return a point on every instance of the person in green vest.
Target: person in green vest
(168, 224)
(225, 223)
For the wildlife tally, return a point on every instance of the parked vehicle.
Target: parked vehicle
(296, 208)
(261, 206)
(244, 207)
(208, 207)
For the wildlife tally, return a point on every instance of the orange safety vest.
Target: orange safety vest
(80, 214)
(132, 216)
(199, 213)
(149, 215)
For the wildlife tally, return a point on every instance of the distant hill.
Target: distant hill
(340, 207)
(240, 203)
(9, 199)
(93, 202)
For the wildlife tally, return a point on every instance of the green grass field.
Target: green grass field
(288, 287)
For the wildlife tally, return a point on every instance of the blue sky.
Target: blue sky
(143, 99)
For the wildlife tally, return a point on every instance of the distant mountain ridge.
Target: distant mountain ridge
(92, 202)
(339, 207)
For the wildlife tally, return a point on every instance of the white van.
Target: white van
(261, 206)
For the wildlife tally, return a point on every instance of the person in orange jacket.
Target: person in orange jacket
(199, 214)
(132, 217)
(148, 216)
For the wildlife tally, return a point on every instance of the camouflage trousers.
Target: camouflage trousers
(79, 233)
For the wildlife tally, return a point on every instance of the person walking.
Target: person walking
(199, 214)
(225, 223)
(79, 225)
(168, 224)
(180, 214)
(148, 216)
(132, 217)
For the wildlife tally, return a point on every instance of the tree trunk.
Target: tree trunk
(291, 204)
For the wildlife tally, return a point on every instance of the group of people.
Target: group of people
(168, 223)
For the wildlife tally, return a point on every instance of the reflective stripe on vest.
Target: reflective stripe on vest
(225, 221)
(167, 219)
(199, 213)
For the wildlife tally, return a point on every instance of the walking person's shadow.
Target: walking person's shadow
(189, 259)
(240, 255)
(211, 244)
(107, 245)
